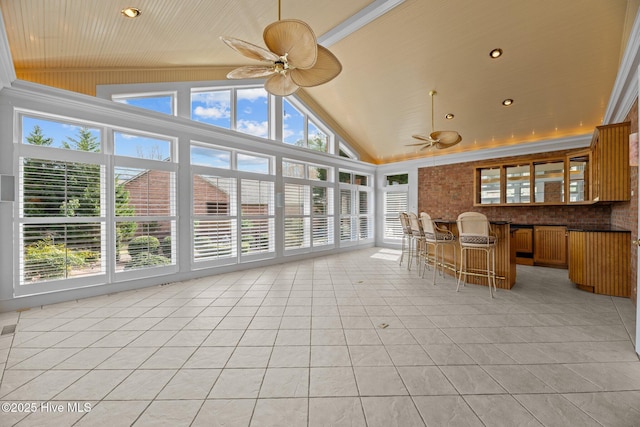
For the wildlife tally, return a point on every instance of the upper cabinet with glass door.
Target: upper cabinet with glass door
(549, 181)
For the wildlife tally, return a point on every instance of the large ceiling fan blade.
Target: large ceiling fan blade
(293, 38)
(446, 138)
(280, 85)
(326, 68)
(422, 137)
(251, 72)
(416, 144)
(250, 50)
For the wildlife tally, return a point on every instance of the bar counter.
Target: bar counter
(505, 255)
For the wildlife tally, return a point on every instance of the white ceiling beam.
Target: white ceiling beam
(367, 14)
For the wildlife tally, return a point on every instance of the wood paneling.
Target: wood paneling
(550, 245)
(610, 158)
(599, 262)
(523, 240)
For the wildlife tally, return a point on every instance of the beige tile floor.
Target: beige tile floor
(300, 344)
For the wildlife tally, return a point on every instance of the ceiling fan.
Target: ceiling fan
(439, 139)
(293, 59)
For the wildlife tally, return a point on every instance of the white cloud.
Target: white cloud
(252, 94)
(253, 128)
(215, 112)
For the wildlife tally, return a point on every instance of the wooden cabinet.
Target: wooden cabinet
(600, 261)
(550, 245)
(523, 245)
(599, 174)
(610, 163)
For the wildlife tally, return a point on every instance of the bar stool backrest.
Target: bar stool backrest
(416, 227)
(404, 221)
(474, 228)
(427, 225)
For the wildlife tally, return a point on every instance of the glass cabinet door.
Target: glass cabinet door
(489, 186)
(518, 186)
(579, 178)
(549, 182)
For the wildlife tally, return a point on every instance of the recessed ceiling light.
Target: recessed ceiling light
(507, 102)
(495, 53)
(449, 116)
(131, 12)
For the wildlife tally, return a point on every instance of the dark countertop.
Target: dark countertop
(598, 229)
(450, 221)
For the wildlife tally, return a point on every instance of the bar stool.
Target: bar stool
(407, 236)
(474, 233)
(439, 238)
(419, 247)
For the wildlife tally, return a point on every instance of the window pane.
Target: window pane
(361, 180)
(252, 112)
(295, 233)
(149, 192)
(346, 229)
(214, 240)
(47, 133)
(61, 251)
(579, 178)
(293, 124)
(363, 198)
(256, 198)
(319, 174)
(344, 177)
(213, 196)
(397, 179)
(296, 199)
(518, 188)
(212, 107)
(249, 163)
(549, 182)
(322, 231)
(257, 203)
(317, 140)
(345, 202)
(292, 169)
(159, 103)
(212, 157)
(142, 147)
(489, 185)
(61, 189)
(152, 245)
(394, 203)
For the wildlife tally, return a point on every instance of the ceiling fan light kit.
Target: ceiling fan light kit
(440, 139)
(293, 58)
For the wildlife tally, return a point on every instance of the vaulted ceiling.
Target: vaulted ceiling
(559, 62)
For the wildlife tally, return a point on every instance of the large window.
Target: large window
(233, 205)
(356, 207)
(68, 189)
(308, 206)
(394, 203)
(98, 203)
(214, 218)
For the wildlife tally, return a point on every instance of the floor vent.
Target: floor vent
(9, 329)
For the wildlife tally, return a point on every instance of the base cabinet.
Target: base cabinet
(600, 262)
(550, 246)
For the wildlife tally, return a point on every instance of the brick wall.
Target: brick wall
(625, 215)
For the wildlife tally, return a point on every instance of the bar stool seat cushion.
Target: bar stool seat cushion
(439, 236)
(471, 239)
